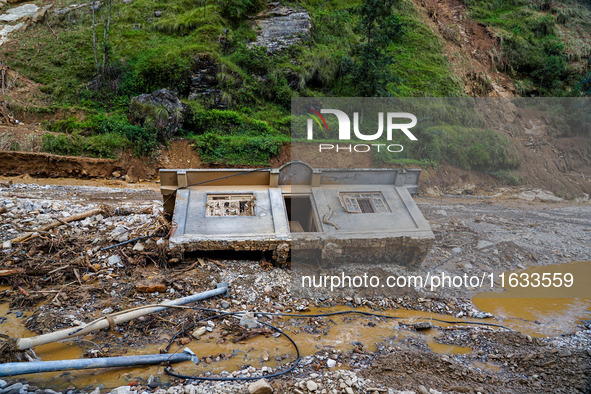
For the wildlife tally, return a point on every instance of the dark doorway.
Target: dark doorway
(300, 214)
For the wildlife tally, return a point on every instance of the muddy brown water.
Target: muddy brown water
(533, 316)
(543, 311)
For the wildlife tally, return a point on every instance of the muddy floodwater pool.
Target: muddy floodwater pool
(535, 317)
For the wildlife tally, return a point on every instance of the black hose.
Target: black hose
(234, 314)
(298, 356)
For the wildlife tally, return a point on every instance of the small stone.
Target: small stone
(157, 14)
(6, 245)
(423, 389)
(116, 174)
(331, 363)
(199, 332)
(96, 391)
(12, 389)
(311, 385)
(121, 390)
(423, 325)
(225, 304)
(483, 244)
(456, 250)
(248, 320)
(139, 247)
(114, 260)
(260, 387)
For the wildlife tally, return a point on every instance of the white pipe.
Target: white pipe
(27, 343)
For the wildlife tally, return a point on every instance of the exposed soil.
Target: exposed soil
(472, 48)
(500, 362)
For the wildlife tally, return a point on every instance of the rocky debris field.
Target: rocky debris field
(484, 234)
(64, 277)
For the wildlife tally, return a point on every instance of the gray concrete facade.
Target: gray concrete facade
(300, 209)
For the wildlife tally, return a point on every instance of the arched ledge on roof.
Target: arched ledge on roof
(296, 172)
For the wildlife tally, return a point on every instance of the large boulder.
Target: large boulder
(161, 110)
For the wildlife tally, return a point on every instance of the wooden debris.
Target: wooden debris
(31, 234)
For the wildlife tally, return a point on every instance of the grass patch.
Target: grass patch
(238, 149)
(106, 145)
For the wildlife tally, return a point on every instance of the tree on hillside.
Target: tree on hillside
(100, 68)
(370, 67)
(585, 85)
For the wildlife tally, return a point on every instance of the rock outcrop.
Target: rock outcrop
(19, 18)
(204, 78)
(281, 27)
(162, 110)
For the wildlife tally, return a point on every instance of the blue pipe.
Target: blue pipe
(12, 369)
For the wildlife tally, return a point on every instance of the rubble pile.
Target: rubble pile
(80, 270)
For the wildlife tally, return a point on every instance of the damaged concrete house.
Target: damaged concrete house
(326, 214)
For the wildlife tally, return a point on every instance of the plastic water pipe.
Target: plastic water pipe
(27, 343)
(11, 369)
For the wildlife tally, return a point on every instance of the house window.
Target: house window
(230, 205)
(364, 202)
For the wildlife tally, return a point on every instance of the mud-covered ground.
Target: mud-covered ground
(62, 278)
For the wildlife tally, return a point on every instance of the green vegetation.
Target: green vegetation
(584, 85)
(357, 48)
(533, 38)
(98, 135)
(102, 145)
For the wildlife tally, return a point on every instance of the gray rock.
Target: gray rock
(148, 107)
(12, 389)
(225, 304)
(423, 325)
(481, 315)
(6, 245)
(2, 383)
(483, 244)
(248, 320)
(121, 390)
(24, 11)
(456, 250)
(282, 27)
(114, 260)
(157, 14)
